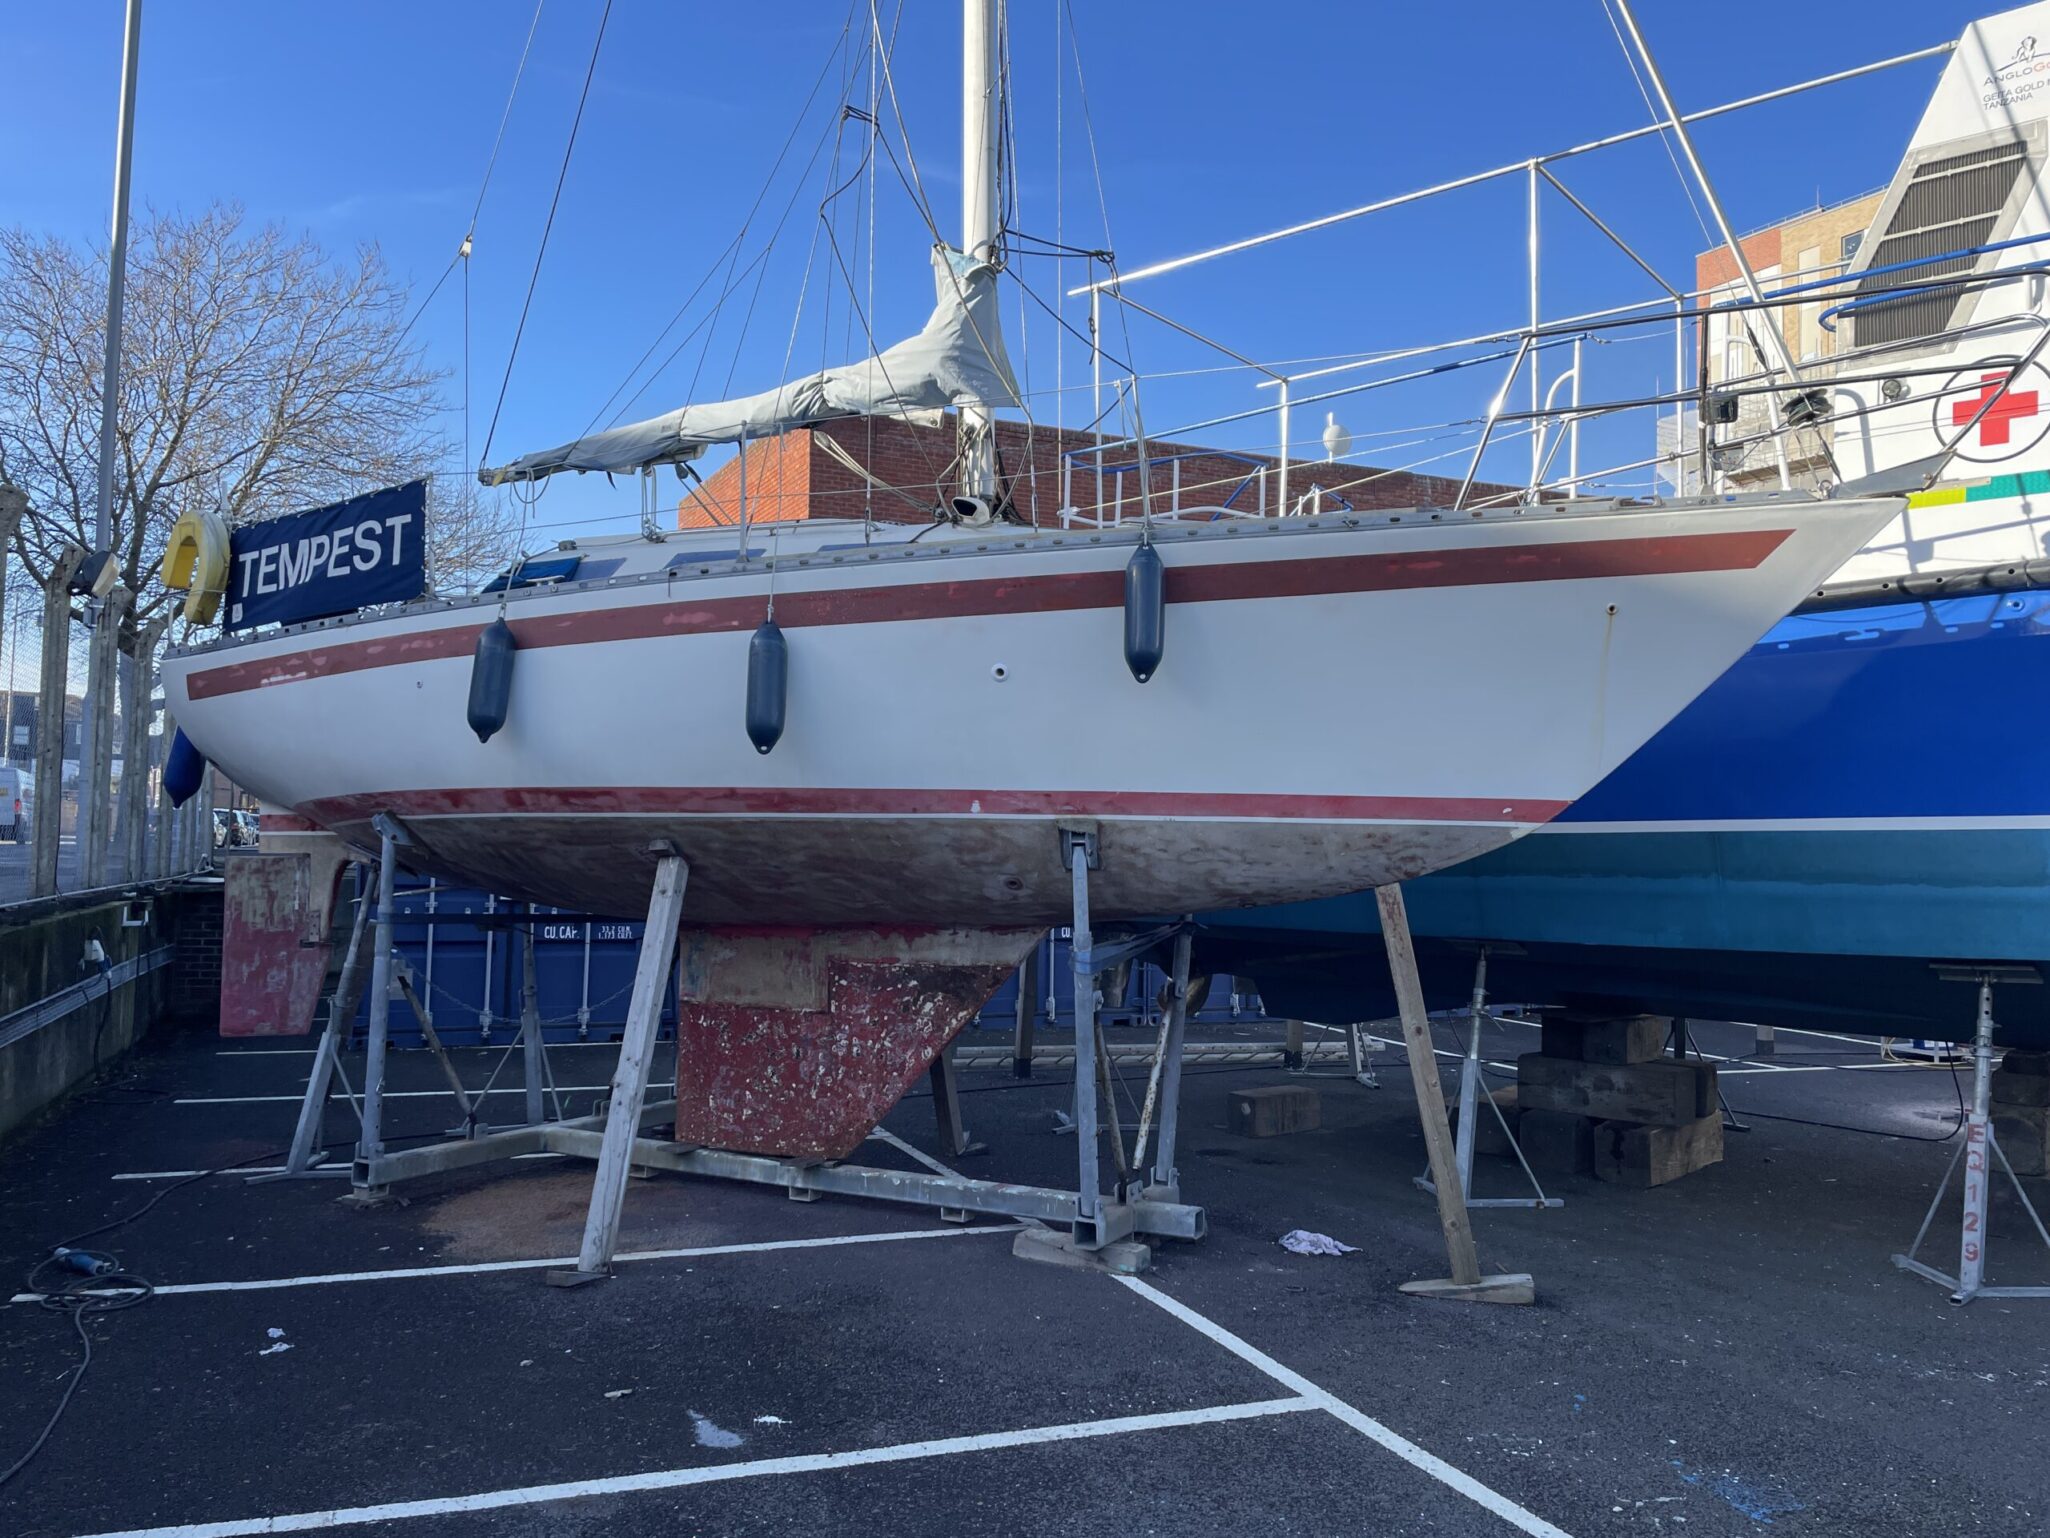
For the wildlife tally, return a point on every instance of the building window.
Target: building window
(1849, 248)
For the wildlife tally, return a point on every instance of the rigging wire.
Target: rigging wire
(561, 176)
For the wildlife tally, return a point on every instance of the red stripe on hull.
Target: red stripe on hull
(714, 801)
(1212, 582)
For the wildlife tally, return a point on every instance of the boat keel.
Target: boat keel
(796, 1042)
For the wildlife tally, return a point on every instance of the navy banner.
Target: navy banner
(329, 560)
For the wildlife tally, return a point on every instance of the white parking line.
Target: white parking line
(453, 1048)
(484, 1267)
(717, 1473)
(390, 1094)
(1366, 1425)
(1322, 1399)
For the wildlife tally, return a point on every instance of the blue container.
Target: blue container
(467, 970)
(1055, 1003)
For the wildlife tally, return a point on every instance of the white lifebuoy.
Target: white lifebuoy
(196, 561)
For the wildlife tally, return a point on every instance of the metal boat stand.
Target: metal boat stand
(1471, 1094)
(1466, 1283)
(391, 976)
(1102, 1229)
(1974, 1234)
(1149, 1206)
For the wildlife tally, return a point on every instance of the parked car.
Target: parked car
(17, 804)
(234, 830)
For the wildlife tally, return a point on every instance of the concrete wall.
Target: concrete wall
(41, 951)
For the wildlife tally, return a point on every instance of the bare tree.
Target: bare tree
(258, 374)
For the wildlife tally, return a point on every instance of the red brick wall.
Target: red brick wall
(792, 477)
(1714, 268)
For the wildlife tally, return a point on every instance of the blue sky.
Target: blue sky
(372, 122)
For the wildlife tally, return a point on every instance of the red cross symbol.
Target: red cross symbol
(1993, 427)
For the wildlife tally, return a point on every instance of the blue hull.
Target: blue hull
(1865, 794)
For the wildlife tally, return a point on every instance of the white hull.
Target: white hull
(1344, 702)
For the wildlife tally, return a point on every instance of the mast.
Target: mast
(978, 214)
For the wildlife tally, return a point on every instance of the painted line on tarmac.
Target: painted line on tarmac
(718, 1473)
(390, 1094)
(453, 1047)
(485, 1267)
(1322, 1399)
(1429, 1463)
(272, 1169)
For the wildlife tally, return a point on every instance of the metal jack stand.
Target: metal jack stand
(1466, 1282)
(305, 1156)
(1979, 1140)
(1100, 1233)
(630, 1078)
(613, 1137)
(370, 1142)
(1470, 1096)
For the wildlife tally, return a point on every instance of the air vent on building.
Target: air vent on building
(1950, 204)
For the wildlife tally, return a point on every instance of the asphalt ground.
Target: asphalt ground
(1727, 1354)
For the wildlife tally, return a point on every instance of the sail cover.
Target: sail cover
(957, 360)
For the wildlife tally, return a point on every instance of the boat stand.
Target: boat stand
(390, 975)
(1974, 1234)
(1471, 1094)
(1145, 1200)
(1466, 1282)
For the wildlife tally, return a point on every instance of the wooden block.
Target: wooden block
(1510, 1287)
(1589, 1039)
(1640, 1156)
(2019, 1088)
(2035, 1065)
(1276, 1109)
(1665, 1093)
(1556, 1142)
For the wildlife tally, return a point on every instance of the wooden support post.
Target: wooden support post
(1292, 1048)
(630, 1078)
(1466, 1281)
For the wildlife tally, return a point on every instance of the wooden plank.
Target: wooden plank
(1641, 1156)
(1556, 1142)
(1430, 1094)
(1595, 1039)
(1666, 1093)
(1276, 1109)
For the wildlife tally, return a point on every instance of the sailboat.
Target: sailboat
(844, 734)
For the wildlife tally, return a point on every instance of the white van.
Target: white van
(17, 803)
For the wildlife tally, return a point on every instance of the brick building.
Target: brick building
(819, 472)
(1819, 243)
